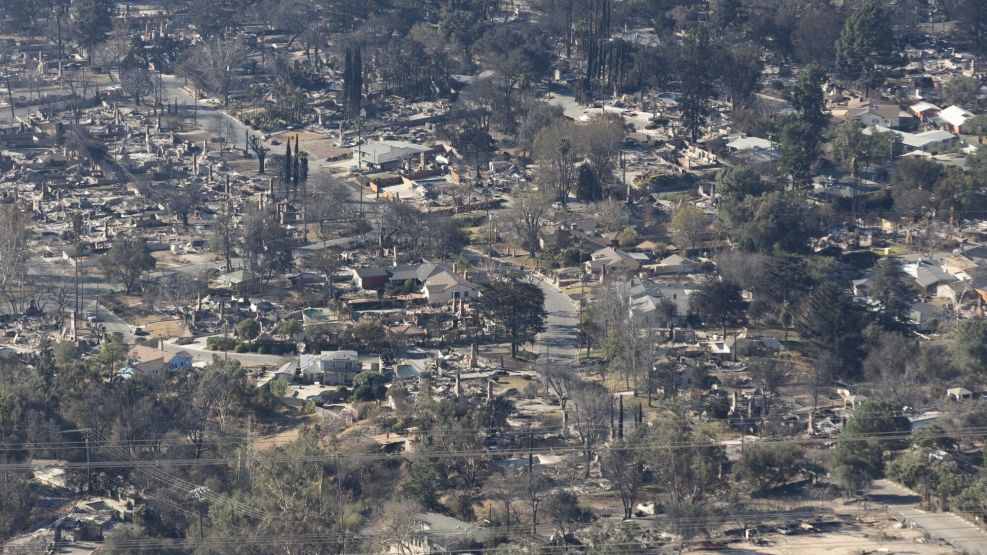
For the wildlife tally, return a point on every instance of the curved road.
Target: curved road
(559, 342)
(560, 338)
(946, 526)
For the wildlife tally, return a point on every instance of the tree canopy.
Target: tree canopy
(127, 261)
(517, 306)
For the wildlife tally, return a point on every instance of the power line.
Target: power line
(455, 432)
(473, 453)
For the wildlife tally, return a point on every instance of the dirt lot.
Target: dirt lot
(168, 261)
(837, 543)
(165, 328)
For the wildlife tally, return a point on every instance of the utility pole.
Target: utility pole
(89, 469)
(359, 156)
(75, 313)
(489, 234)
(623, 167)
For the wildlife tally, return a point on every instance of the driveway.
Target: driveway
(904, 504)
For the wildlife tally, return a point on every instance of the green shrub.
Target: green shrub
(279, 387)
(248, 329)
(289, 328)
(221, 343)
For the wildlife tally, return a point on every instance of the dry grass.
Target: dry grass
(165, 329)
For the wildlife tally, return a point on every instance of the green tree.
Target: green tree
(289, 328)
(588, 187)
(771, 466)
(961, 192)
(45, 361)
(877, 424)
(912, 182)
(720, 302)
(968, 346)
(973, 498)
(799, 151)
(127, 261)
(867, 41)
(787, 276)
(686, 460)
(93, 21)
(808, 96)
(421, 484)
(834, 324)
(724, 13)
(266, 246)
(18, 502)
(934, 436)
(972, 18)
(464, 22)
(518, 59)
(696, 81)
(883, 417)
(516, 306)
(740, 182)
(856, 149)
(924, 474)
(562, 508)
(112, 354)
(369, 386)
(689, 225)
(248, 329)
(855, 463)
(627, 237)
(892, 288)
(776, 220)
(961, 91)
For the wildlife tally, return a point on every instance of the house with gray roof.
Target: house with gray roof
(384, 155)
(330, 367)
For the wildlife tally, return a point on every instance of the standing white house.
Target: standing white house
(447, 286)
(331, 367)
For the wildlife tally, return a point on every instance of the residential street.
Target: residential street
(560, 339)
(200, 353)
(902, 502)
(57, 273)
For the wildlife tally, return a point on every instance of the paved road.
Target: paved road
(217, 122)
(57, 272)
(559, 341)
(574, 110)
(948, 527)
(200, 353)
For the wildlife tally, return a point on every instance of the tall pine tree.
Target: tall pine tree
(867, 41)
